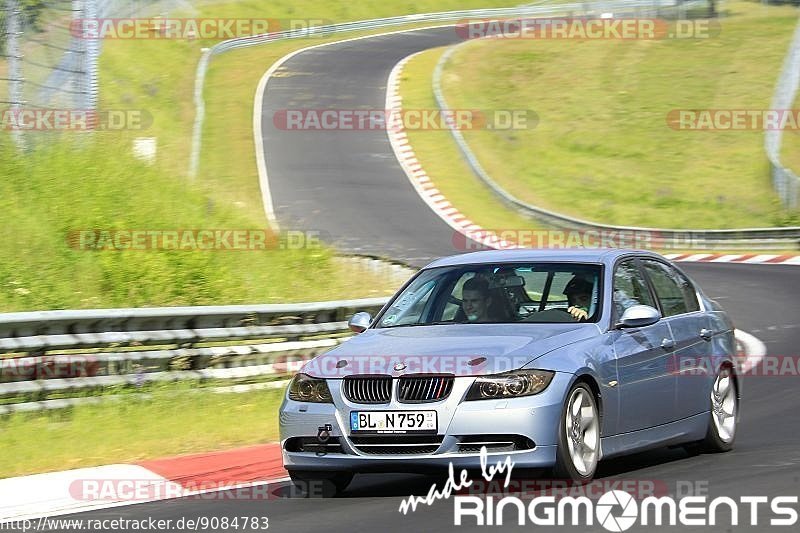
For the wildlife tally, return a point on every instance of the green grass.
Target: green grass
(123, 431)
(602, 150)
(48, 193)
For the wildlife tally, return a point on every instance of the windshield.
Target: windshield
(498, 293)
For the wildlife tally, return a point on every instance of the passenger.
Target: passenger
(579, 297)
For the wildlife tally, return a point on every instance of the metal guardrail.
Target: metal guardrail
(585, 8)
(745, 238)
(63, 354)
(786, 182)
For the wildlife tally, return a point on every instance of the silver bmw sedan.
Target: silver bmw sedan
(554, 358)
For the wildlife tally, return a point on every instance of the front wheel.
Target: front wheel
(724, 413)
(313, 484)
(578, 436)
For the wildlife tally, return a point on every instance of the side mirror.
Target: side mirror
(638, 316)
(359, 322)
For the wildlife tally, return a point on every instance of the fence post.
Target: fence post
(15, 79)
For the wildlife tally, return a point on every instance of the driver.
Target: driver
(579, 297)
(476, 299)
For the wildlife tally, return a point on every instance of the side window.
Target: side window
(630, 288)
(689, 292)
(674, 291)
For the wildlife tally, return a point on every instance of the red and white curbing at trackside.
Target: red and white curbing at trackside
(419, 179)
(426, 189)
(249, 472)
(765, 259)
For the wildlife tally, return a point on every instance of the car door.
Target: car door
(646, 385)
(690, 331)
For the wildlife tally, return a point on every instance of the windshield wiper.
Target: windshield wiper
(401, 325)
(437, 323)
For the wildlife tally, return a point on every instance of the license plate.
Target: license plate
(393, 421)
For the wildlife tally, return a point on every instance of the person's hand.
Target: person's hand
(577, 313)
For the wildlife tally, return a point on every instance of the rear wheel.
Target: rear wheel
(313, 484)
(578, 436)
(724, 413)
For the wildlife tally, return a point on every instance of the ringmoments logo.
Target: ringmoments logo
(618, 510)
(606, 505)
(615, 510)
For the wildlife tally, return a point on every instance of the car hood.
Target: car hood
(460, 349)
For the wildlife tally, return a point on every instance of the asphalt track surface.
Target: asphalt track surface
(349, 185)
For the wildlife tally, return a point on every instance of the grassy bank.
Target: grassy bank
(122, 430)
(64, 188)
(602, 150)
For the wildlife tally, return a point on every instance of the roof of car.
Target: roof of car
(566, 255)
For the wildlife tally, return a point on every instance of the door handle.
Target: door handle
(668, 344)
(706, 334)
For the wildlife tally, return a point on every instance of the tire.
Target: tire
(313, 484)
(724, 416)
(577, 457)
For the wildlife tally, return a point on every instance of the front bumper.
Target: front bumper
(462, 426)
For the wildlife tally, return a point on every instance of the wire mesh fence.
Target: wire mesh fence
(46, 63)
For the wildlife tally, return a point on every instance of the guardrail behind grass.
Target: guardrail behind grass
(50, 355)
(786, 183)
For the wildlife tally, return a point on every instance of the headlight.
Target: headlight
(304, 388)
(510, 384)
